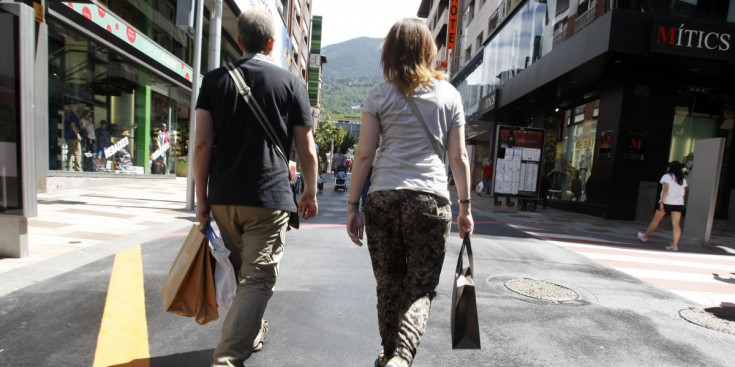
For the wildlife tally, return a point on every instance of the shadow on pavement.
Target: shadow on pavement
(196, 358)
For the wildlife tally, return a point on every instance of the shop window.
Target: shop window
(573, 160)
(696, 117)
(704, 115)
(106, 97)
(10, 163)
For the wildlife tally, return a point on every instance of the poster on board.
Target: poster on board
(518, 156)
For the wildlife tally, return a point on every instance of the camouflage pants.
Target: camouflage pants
(407, 234)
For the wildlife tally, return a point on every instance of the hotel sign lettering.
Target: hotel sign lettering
(452, 27)
(693, 39)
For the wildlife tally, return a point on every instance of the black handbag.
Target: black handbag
(244, 90)
(465, 323)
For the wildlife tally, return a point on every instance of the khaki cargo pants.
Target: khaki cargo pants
(255, 237)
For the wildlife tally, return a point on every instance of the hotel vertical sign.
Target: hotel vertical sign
(683, 37)
(452, 27)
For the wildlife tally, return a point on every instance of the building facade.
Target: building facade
(316, 63)
(620, 88)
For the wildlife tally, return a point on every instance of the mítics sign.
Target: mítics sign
(695, 39)
(118, 28)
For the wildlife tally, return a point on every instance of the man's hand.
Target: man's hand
(308, 207)
(203, 210)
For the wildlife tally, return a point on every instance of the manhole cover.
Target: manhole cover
(541, 290)
(709, 320)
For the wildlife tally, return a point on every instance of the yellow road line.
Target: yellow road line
(123, 336)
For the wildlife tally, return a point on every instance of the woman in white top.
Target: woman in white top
(673, 197)
(408, 213)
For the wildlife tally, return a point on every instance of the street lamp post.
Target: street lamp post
(192, 107)
(331, 154)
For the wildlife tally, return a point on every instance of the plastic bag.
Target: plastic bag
(225, 282)
(480, 188)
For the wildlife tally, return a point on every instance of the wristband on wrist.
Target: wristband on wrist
(353, 203)
(465, 201)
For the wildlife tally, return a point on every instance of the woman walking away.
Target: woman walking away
(673, 196)
(408, 214)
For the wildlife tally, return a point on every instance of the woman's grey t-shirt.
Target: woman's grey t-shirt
(406, 158)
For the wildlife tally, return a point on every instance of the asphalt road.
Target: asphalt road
(323, 310)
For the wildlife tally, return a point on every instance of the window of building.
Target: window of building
(11, 201)
(715, 10)
(512, 48)
(129, 118)
(584, 6)
(569, 162)
(703, 114)
(478, 41)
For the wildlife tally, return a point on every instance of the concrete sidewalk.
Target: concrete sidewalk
(623, 232)
(77, 226)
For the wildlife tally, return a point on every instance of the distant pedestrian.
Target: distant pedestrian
(73, 136)
(671, 201)
(487, 176)
(338, 160)
(164, 143)
(245, 182)
(408, 214)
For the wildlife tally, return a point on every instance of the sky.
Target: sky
(344, 20)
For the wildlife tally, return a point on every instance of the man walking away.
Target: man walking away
(242, 179)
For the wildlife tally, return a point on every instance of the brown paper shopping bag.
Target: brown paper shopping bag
(189, 287)
(465, 324)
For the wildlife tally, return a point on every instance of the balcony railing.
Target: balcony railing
(559, 38)
(584, 19)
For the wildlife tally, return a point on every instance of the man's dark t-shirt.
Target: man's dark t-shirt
(245, 168)
(69, 119)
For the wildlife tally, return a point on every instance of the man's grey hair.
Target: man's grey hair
(255, 29)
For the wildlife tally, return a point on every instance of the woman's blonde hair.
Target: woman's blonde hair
(408, 56)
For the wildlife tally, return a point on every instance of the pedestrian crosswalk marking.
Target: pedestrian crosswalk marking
(706, 279)
(123, 336)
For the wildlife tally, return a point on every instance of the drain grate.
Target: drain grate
(540, 289)
(710, 320)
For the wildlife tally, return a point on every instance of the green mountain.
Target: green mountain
(352, 68)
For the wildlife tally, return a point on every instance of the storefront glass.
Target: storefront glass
(156, 19)
(106, 112)
(699, 115)
(10, 185)
(515, 47)
(470, 89)
(723, 10)
(572, 161)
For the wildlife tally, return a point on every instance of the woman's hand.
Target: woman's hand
(465, 224)
(355, 224)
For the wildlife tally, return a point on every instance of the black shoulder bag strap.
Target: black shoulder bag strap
(270, 133)
(438, 148)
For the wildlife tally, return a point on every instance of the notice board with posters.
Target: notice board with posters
(518, 157)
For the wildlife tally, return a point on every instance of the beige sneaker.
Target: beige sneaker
(260, 338)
